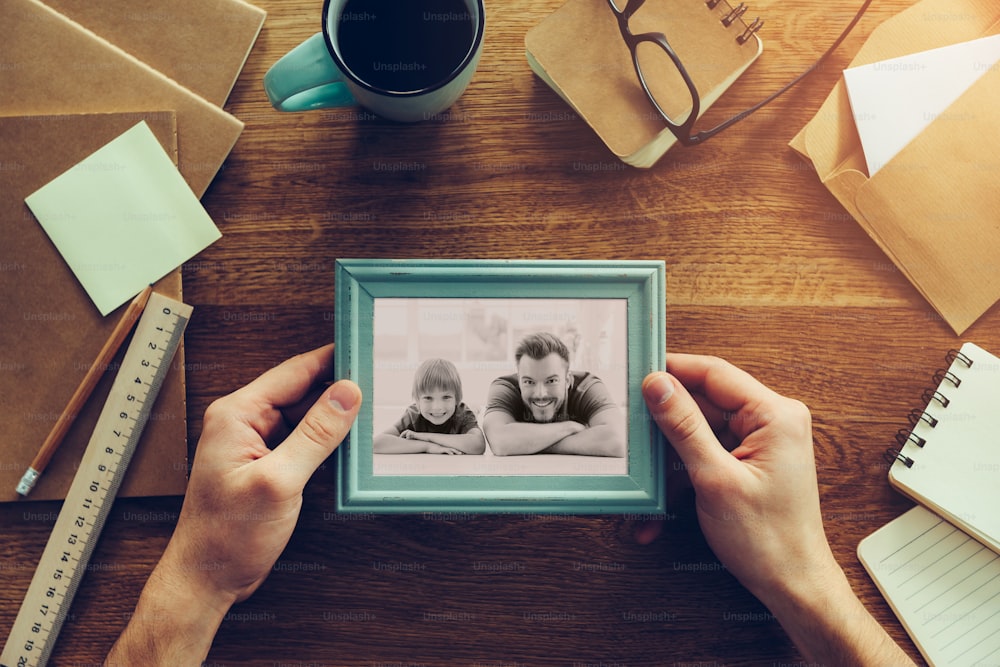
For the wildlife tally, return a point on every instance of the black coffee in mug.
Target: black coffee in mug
(405, 45)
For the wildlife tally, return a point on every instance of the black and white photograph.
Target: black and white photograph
(500, 386)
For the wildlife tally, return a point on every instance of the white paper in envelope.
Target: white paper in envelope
(895, 100)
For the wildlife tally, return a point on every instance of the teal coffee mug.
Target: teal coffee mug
(404, 60)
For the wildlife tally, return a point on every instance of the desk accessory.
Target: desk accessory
(597, 78)
(474, 313)
(949, 461)
(83, 391)
(50, 331)
(932, 208)
(406, 61)
(123, 217)
(943, 585)
(938, 565)
(88, 502)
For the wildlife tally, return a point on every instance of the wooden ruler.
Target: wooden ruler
(90, 496)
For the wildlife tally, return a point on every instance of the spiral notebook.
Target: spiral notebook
(578, 51)
(938, 565)
(949, 461)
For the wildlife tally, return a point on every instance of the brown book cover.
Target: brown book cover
(52, 65)
(595, 74)
(50, 331)
(200, 44)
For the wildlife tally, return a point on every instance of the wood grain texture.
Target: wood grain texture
(763, 268)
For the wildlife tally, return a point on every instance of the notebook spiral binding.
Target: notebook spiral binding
(905, 435)
(733, 14)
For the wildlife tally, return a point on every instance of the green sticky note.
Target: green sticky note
(123, 218)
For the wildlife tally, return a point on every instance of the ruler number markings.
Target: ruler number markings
(78, 526)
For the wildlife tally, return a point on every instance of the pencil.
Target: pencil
(83, 392)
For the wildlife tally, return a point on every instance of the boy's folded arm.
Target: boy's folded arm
(387, 443)
(471, 442)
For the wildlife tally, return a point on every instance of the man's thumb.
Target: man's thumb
(321, 430)
(681, 421)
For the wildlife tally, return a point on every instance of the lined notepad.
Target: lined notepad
(943, 585)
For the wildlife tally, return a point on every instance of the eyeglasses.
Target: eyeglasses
(648, 51)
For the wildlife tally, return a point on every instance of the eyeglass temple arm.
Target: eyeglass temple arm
(706, 134)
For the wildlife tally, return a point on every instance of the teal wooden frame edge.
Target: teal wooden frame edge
(641, 282)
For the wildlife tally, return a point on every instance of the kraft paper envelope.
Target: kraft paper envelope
(932, 208)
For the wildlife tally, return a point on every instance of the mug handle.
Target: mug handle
(306, 78)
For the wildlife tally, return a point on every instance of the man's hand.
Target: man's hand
(758, 504)
(749, 454)
(242, 503)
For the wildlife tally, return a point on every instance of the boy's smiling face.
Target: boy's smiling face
(544, 384)
(437, 405)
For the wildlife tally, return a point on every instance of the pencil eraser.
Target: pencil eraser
(27, 481)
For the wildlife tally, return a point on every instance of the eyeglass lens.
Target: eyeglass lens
(664, 82)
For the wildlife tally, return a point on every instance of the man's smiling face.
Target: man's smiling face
(544, 385)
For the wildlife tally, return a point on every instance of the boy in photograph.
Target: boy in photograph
(438, 422)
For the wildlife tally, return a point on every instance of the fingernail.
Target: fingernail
(344, 395)
(658, 388)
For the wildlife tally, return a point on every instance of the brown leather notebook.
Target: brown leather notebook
(50, 331)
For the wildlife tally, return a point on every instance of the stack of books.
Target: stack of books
(75, 76)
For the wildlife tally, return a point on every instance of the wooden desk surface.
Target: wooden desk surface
(763, 267)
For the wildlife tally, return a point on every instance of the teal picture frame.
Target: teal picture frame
(410, 295)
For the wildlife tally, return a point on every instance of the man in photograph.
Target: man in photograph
(544, 408)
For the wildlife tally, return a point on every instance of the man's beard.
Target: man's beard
(544, 410)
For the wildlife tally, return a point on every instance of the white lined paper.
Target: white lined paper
(942, 584)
